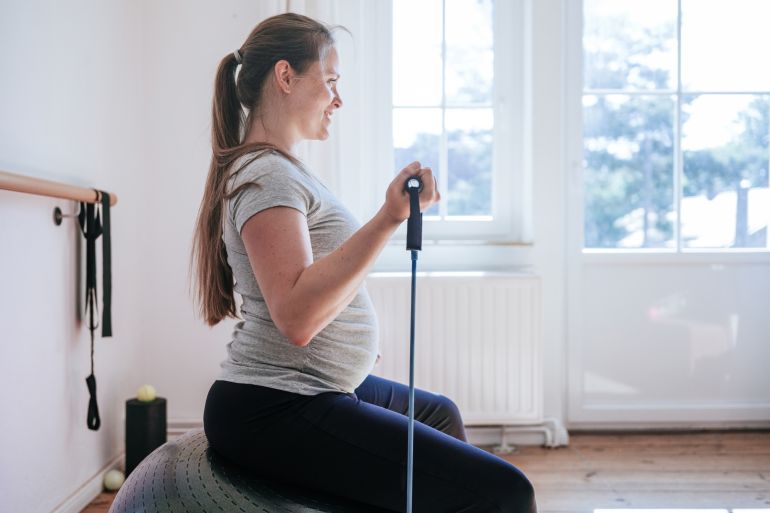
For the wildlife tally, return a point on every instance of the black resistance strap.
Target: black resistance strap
(92, 227)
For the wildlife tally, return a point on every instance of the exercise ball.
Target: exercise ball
(186, 475)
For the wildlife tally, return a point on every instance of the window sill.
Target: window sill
(460, 242)
(667, 257)
(509, 273)
(457, 255)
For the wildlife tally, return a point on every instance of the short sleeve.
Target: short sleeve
(279, 184)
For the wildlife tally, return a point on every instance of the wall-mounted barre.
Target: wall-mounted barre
(21, 183)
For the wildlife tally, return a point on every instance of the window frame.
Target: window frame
(574, 92)
(510, 225)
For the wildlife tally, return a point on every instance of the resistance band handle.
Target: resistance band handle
(93, 420)
(414, 224)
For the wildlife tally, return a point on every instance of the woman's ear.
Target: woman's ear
(283, 74)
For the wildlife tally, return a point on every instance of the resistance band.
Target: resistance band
(92, 227)
(414, 244)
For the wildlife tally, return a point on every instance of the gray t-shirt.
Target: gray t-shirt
(343, 353)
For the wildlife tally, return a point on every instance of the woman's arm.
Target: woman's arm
(304, 296)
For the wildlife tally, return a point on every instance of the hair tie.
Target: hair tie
(237, 55)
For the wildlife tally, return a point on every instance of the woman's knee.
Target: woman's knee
(518, 494)
(453, 422)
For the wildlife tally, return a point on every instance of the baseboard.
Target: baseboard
(90, 490)
(176, 428)
(666, 427)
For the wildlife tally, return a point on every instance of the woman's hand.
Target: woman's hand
(396, 205)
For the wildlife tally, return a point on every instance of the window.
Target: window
(676, 97)
(453, 106)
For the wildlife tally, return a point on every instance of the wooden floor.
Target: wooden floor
(724, 470)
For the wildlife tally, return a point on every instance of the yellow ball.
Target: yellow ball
(146, 393)
(113, 480)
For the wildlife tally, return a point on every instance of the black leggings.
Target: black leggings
(355, 445)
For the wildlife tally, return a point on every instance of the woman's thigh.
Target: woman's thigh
(340, 444)
(434, 410)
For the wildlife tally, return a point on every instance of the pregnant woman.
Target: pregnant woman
(295, 399)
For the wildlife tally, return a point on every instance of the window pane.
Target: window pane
(417, 136)
(726, 199)
(417, 38)
(724, 45)
(629, 44)
(469, 52)
(628, 150)
(469, 142)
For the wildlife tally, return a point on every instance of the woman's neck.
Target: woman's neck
(279, 134)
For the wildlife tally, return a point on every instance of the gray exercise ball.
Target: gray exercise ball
(186, 475)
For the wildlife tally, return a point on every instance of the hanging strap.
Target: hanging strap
(92, 228)
(106, 267)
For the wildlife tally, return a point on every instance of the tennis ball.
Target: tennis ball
(113, 479)
(146, 393)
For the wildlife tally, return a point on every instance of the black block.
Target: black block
(145, 429)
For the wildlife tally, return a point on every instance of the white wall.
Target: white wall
(186, 40)
(71, 104)
(544, 59)
(113, 95)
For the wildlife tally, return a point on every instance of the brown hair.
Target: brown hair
(299, 40)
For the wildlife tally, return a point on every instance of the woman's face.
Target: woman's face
(317, 97)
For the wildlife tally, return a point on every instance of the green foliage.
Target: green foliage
(470, 168)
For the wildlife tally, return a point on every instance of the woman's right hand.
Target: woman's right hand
(396, 205)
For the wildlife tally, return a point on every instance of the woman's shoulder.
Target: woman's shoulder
(273, 171)
(265, 165)
(263, 161)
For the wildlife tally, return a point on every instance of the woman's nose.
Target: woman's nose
(337, 102)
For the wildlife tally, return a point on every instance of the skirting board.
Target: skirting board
(652, 427)
(90, 490)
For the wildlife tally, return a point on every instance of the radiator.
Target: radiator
(477, 340)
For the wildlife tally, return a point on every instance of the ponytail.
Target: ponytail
(215, 278)
(227, 113)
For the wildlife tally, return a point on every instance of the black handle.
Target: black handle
(413, 186)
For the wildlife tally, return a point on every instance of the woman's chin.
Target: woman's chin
(321, 133)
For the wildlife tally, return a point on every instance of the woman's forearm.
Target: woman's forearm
(327, 286)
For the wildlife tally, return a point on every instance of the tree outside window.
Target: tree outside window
(675, 124)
